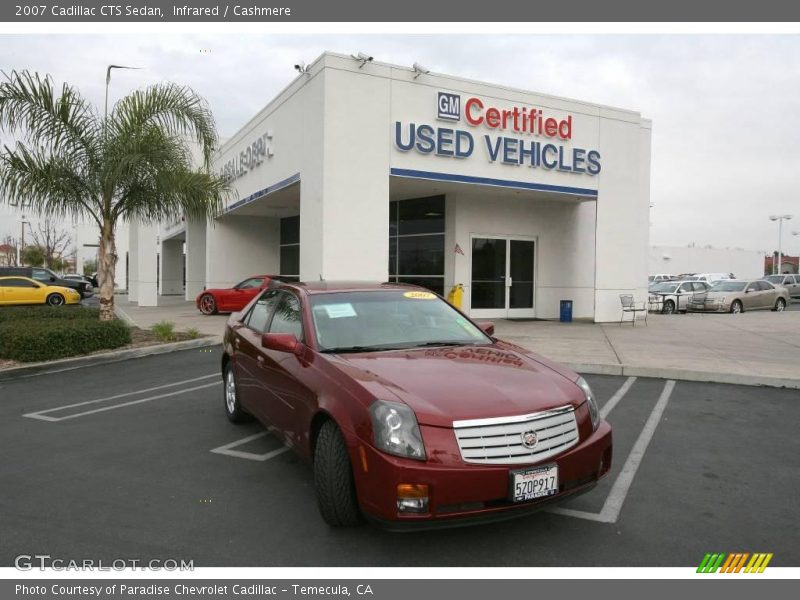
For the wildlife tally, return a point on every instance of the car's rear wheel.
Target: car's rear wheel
(780, 305)
(233, 409)
(208, 305)
(55, 300)
(669, 307)
(333, 479)
(736, 307)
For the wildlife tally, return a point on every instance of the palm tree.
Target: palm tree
(136, 164)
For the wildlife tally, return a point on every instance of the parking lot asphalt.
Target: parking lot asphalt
(137, 460)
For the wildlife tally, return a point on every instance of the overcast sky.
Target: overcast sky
(726, 123)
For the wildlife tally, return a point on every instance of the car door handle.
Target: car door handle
(261, 360)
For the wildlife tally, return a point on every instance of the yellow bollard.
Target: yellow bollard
(456, 295)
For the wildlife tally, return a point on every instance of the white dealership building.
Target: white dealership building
(360, 170)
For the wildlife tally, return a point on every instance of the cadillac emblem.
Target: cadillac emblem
(529, 439)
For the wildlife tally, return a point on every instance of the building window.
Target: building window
(416, 242)
(290, 249)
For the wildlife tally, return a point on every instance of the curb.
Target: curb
(683, 375)
(68, 364)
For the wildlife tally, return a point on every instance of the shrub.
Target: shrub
(29, 340)
(38, 313)
(164, 331)
(193, 333)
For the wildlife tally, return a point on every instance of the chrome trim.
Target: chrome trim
(517, 419)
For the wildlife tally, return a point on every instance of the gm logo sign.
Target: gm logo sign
(449, 106)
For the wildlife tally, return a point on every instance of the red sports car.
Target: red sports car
(411, 414)
(210, 302)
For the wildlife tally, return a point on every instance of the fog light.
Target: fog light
(412, 498)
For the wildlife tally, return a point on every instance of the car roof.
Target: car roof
(18, 277)
(326, 287)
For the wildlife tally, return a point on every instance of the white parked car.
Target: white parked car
(660, 277)
(713, 277)
(674, 296)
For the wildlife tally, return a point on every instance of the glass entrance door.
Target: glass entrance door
(502, 282)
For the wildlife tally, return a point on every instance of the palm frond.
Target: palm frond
(196, 194)
(30, 105)
(51, 184)
(177, 110)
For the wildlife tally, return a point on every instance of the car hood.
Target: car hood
(443, 385)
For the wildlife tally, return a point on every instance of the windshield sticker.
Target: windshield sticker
(337, 311)
(420, 295)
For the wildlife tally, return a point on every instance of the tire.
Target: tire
(208, 304)
(55, 300)
(736, 307)
(669, 307)
(780, 305)
(230, 397)
(333, 479)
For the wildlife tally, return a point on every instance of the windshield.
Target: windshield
(775, 278)
(664, 288)
(388, 320)
(729, 286)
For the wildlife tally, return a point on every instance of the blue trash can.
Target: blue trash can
(566, 311)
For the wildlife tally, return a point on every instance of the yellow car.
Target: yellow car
(21, 290)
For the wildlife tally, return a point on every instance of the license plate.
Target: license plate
(530, 484)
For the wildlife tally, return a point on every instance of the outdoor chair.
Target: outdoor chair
(629, 305)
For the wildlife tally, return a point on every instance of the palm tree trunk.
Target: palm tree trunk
(107, 262)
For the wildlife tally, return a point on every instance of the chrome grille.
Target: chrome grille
(498, 441)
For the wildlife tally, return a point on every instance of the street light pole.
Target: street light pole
(108, 82)
(23, 222)
(780, 219)
(794, 233)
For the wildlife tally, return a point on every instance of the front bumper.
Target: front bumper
(461, 493)
(709, 305)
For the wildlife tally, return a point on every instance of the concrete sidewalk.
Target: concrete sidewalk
(170, 308)
(755, 348)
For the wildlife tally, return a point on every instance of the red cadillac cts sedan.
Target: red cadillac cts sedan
(412, 415)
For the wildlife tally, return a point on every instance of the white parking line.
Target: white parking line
(226, 449)
(613, 504)
(43, 414)
(612, 402)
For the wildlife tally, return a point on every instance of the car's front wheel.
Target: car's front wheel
(208, 305)
(669, 307)
(233, 409)
(736, 307)
(333, 479)
(55, 300)
(780, 305)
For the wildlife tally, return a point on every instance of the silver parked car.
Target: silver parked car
(790, 282)
(737, 295)
(674, 296)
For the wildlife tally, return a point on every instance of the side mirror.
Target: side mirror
(52, 278)
(747, 291)
(282, 342)
(487, 328)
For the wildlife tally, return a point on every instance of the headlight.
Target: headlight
(593, 412)
(396, 430)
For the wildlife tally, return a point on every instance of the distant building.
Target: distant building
(693, 259)
(788, 264)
